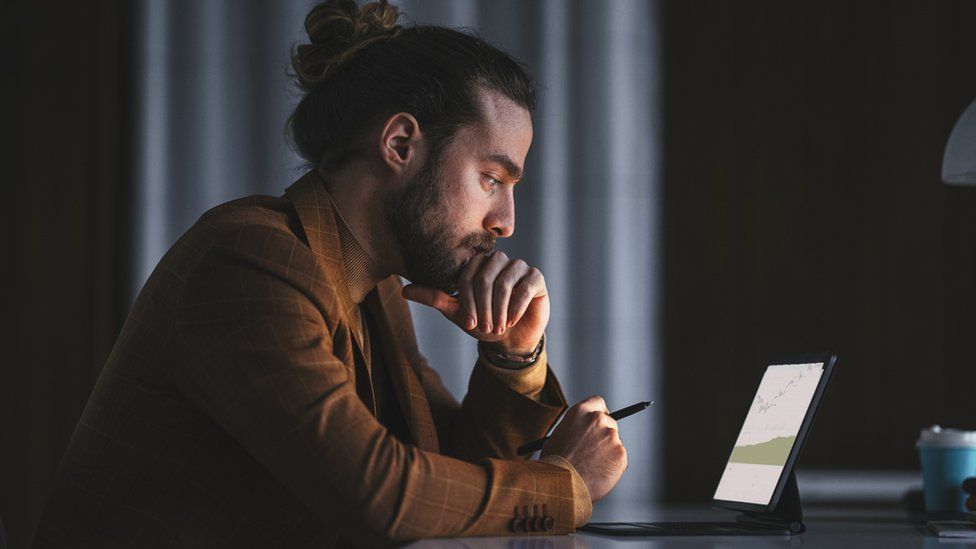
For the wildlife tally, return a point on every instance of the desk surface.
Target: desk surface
(834, 527)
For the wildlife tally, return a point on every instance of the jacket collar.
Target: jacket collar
(318, 218)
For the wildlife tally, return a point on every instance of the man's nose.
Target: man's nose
(500, 221)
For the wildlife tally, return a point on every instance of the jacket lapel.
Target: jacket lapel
(315, 212)
(406, 383)
(385, 305)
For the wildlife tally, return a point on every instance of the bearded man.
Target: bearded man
(267, 389)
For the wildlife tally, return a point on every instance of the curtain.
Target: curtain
(65, 96)
(212, 102)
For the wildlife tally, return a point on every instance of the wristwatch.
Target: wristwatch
(509, 361)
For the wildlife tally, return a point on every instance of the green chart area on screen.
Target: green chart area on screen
(771, 452)
(769, 433)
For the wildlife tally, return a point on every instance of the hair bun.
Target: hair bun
(337, 30)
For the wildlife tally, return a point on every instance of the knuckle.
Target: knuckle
(504, 283)
(593, 402)
(483, 284)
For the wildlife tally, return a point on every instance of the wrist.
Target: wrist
(519, 349)
(506, 357)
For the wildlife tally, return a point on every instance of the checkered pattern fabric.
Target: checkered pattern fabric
(228, 413)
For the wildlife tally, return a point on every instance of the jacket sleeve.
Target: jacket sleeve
(502, 410)
(463, 432)
(253, 338)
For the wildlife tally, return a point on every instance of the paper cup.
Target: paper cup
(948, 456)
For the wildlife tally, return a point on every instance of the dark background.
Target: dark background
(65, 161)
(801, 198)
(803, 210)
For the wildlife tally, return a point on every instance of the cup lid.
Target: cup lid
(938, 436)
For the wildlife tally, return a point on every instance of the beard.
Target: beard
(420, 220)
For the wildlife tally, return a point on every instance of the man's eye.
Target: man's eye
(492, 182)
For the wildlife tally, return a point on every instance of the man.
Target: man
(267, 388)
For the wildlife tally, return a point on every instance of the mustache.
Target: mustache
(483, 242)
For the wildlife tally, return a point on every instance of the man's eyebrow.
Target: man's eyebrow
(513, 169)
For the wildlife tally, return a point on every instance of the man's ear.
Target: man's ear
(400, 141)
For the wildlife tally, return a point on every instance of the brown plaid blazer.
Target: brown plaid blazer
(228, 415)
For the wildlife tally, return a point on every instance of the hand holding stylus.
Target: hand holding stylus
(536, 445)
(587, 438)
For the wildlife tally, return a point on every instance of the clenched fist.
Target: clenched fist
(587, 437)
(500, 301)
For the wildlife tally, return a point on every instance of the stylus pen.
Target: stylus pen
(618, 415)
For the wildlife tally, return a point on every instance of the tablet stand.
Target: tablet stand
(787, 515)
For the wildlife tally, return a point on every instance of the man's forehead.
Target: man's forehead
(505, 132)
(499, 110)
(498, 106)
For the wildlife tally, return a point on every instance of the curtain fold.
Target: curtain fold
(213, 102)
(63, 201)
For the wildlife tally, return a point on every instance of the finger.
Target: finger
(594, 402)
(483, 285)
(594, 419)
(466, 294)
(437, 299)
(531, 286)
(504, 284)
(609, 422)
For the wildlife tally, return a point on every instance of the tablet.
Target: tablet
(773, 432)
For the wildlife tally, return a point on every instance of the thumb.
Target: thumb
(432, 297)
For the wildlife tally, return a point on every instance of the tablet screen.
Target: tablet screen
(769, 432)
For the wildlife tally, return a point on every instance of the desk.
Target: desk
(833, 527)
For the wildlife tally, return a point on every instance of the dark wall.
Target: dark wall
(63, 205)
(803, 210)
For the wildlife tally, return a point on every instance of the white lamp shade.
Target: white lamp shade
(959, 162)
